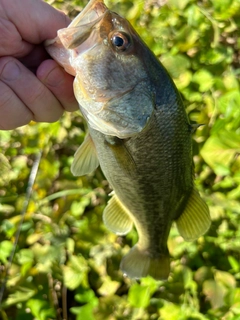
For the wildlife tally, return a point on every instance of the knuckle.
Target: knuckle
(6, 35)
(5, 96)
(9, 69)
(38, 94)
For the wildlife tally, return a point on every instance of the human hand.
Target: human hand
(32, 86)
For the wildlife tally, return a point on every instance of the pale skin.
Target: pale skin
(32, 86)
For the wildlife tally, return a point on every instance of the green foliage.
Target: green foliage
(66, 264)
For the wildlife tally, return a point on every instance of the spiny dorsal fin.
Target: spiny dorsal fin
(116, 217)
(85, 159)
(195, 220)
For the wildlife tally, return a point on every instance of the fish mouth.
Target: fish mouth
(81, 27)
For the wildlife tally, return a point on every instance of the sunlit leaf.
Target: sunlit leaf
(74, 272)
(139, 296)
(176, 65)
(40, 309)
(214, 292)
(5, 250)
(204, 79)
(219, 151)
(84, 312)
(109, 287)
(20, 295)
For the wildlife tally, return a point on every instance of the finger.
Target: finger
(11, 42)
(59, 83)
(39, 22)
(13, 113)
(30, 90)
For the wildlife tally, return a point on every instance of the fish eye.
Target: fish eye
(120, 41)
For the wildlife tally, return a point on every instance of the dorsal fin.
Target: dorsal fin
(116, 217)
(85, 159)
(195, 219)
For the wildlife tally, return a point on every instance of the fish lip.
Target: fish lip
(81, 27)
(93, 10)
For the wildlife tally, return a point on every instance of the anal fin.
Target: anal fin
(85, 159)
(138, 263)
(116, 217)
(195, 219)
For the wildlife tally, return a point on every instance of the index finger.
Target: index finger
(34, 20)
(30, 92)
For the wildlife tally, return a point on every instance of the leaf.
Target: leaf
(26, 258)
(45, 255)
(75, 272)
(21, 294)
(176, 65)
(5, 250)
(178, 4)
(225, 278)
(202, 274)
(215, 293)
(228, 103)
(184, 80)
(41, 309)
(85, 312)
(139, 296)
(234, 263)
(78, 207)
(108, 287)
(235, 193)
(220, 150)
(4, 164)
(214, 56)
(150, 283)
(170, 311)
(204, 79)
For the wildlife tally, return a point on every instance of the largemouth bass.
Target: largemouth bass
(139, 133)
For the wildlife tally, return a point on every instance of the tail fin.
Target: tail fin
(137, 264)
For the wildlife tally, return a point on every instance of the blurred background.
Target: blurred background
(66, 263)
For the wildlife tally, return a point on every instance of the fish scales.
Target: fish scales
(158, 185)
(139, 133)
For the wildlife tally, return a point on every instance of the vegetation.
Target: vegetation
(66, 264)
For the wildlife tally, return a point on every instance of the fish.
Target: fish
(138, 132)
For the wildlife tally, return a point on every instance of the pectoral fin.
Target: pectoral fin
(116, 217)
(85, 159)
(195, 220)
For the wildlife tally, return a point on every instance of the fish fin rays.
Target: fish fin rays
(85, 159)
(195, 220)
(137, 264)
(116, 217)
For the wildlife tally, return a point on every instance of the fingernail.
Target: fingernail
(11, 71)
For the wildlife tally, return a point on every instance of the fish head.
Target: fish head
(111, 84)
